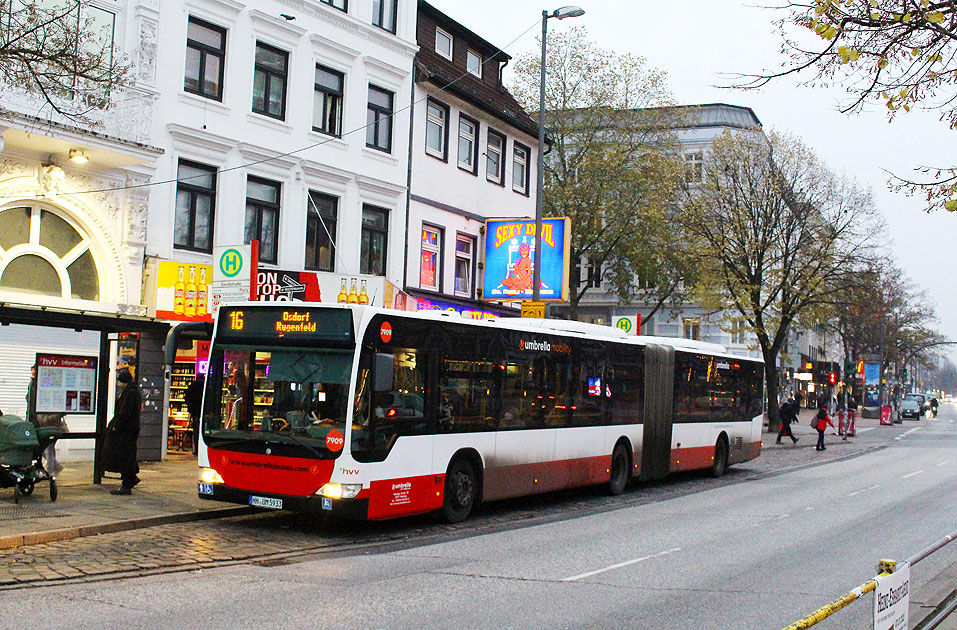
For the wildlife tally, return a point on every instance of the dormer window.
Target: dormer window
(443, 43)
(474, 63)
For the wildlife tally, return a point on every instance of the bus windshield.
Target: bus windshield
(277, 395)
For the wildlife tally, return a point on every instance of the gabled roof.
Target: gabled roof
(488, 95)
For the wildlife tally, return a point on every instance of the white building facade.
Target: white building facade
(474, 157)
(285, 122)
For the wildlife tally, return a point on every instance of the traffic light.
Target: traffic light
(904, 375)
(832, 378)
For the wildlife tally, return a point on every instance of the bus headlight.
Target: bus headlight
(209, 475)
(340, 490)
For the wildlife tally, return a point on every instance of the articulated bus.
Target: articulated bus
(371, 413)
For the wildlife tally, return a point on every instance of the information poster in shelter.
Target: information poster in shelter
(66, 384)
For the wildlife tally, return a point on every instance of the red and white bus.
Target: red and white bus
(372, 413)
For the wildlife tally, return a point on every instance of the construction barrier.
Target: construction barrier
(886, 568)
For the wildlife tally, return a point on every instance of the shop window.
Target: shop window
(52, 256)
(430, 269)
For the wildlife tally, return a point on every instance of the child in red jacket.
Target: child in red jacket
(821, 422)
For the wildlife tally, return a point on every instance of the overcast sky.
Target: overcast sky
(700, 42)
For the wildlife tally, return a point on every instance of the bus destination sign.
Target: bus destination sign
(285, 323)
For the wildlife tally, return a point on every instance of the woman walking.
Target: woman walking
(822, 420)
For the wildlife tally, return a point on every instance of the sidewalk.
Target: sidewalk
(167, 494)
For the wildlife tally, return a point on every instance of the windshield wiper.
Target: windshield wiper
(300, 442)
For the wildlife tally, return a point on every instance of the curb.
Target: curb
(111, 527)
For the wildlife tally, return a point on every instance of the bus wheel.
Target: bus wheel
(619, 470)
(720, 458)
(460, 489)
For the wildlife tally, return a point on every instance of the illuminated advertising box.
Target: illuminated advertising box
(510, 255)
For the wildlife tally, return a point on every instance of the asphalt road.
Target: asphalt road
(752, 551)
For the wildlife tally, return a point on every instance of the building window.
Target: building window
(464, 252)
(379, 119)
(205, 53)
(321, 218)
(494, 164)
(520, 168)
(693, 170)
(262, 217)
(691, 327)
(430, 268)
(436, 129)
(739, 332)
(594, 276)
(473, 63)
(443, 43)
(327, 101)
(195, 207)
(342, 5)
(372, 249)
(383, 14)
(468, 145)
(43, 253)
(269, 81)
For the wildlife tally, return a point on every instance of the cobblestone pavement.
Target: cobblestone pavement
(275, 538)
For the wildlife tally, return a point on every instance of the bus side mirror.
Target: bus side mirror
(384, 368)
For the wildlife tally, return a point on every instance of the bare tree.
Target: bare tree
(899, 53)
(776, 229)
(613, 168)
(61, 50)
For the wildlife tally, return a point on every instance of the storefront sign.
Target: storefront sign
(426, 304)
(66, 384)
(278, 285)
(183, 291)
(509, 256)
(234, 273)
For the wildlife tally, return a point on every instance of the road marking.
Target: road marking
(575, 578)
(783, 516)
(943, 463)
(919, 472)
(863, 490)
(808, 509)
(866, 429)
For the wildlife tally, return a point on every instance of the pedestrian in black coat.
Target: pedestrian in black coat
(119, 448)
(788, 414)
(194, 403)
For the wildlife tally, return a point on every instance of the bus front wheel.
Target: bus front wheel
(460, 489)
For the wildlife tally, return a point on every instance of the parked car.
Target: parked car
(911, 407)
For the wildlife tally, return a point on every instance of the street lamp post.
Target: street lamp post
(561, 14)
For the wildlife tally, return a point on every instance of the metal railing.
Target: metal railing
(886, 567)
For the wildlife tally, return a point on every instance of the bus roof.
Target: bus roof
(556, 326)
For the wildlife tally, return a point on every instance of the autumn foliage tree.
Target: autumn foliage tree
(613, 168)
(901, 54)
(776, 230)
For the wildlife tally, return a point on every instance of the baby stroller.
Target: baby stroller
(21, 449)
